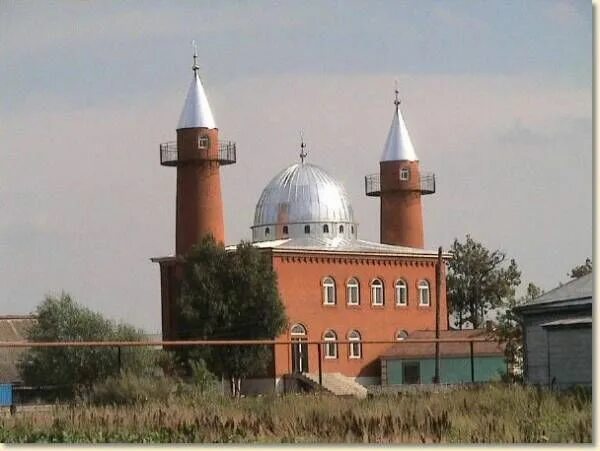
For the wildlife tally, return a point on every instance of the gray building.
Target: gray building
(557, 335)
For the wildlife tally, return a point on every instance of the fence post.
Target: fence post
(320, 368)
(119, 357)
(438, 290)
(472, 362)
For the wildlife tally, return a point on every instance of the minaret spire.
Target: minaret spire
(195, 67)
(397, 101)
(303, 152)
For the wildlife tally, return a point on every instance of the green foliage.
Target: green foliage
(509, 330)
(229, 295)
(478, 281)
(62, 319)
(490, 414)
(581, 270)
(130, 388)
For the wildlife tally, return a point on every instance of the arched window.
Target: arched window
(325, 228)
(353, 290)
(401, 335)
(355, 346)
(424, 295)
(285, 230)
(377, 292)
(401, 292)
(267, 231)
(331, 347)
(352, 229)
(341, 229)
(307, 229)
(404, 174)
(328, 291)
(298, 330)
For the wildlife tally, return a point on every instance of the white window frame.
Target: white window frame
(331, 349)
(351, 286)
(401, 298)
(301, 333)
(355, 345)
(424, 287)
(404, 174)
(328, 289)
(377, 286)
(203, 142)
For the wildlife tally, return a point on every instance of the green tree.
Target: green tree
(229, 295)
(581, 270)
(509, 330)
(62, 319)
(479, 281)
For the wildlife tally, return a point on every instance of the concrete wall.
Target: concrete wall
(570, 355)
(536, 348)
(452, 370)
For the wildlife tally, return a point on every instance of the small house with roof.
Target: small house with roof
(557, 335)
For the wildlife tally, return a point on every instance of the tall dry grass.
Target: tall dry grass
(491, 414)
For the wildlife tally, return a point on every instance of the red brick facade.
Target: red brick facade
(300, 278)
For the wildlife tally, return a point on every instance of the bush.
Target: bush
(129, 388)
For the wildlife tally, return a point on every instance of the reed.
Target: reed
(489, 414)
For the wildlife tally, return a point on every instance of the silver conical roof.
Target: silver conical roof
(196, 109)
(398, 145)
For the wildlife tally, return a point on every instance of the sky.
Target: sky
(497, 97)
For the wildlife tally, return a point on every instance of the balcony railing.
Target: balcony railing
(426, 185)
(170, 155)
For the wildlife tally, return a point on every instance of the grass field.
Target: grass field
(490, 414)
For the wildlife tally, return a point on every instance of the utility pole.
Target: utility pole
(438, 292)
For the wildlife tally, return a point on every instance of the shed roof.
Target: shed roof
(569, 322)
(574, 292)
(12, 328)
(409, 350)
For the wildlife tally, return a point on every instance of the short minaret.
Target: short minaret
(198, 155)
(400, 185)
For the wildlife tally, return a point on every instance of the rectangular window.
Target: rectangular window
(353, 295)
(202, 142)
(401, 295)
(411, 372)
(404, 174)
(331, 350)
(329, 294)
(355, 350)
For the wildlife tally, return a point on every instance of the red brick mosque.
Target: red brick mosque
(334, 285)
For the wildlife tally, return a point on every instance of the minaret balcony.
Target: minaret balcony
(170, 155)
(425, 186)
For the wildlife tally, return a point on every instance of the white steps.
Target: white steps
(335, 383)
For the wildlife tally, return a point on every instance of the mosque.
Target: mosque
(334, 285)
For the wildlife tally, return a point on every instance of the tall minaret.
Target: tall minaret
(400, 185)
(198, 155)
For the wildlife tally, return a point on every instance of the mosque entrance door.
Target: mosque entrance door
(299, 349)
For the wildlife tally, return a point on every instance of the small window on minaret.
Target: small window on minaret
(267, 231)
(404, 174)
(326, 228)
(285, 230)
(202, 142)
(341, 229)
(306, 229)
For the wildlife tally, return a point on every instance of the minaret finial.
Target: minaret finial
(397, 100)
(303, 152)
(195, 67)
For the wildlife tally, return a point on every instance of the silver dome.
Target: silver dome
(303, 200)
